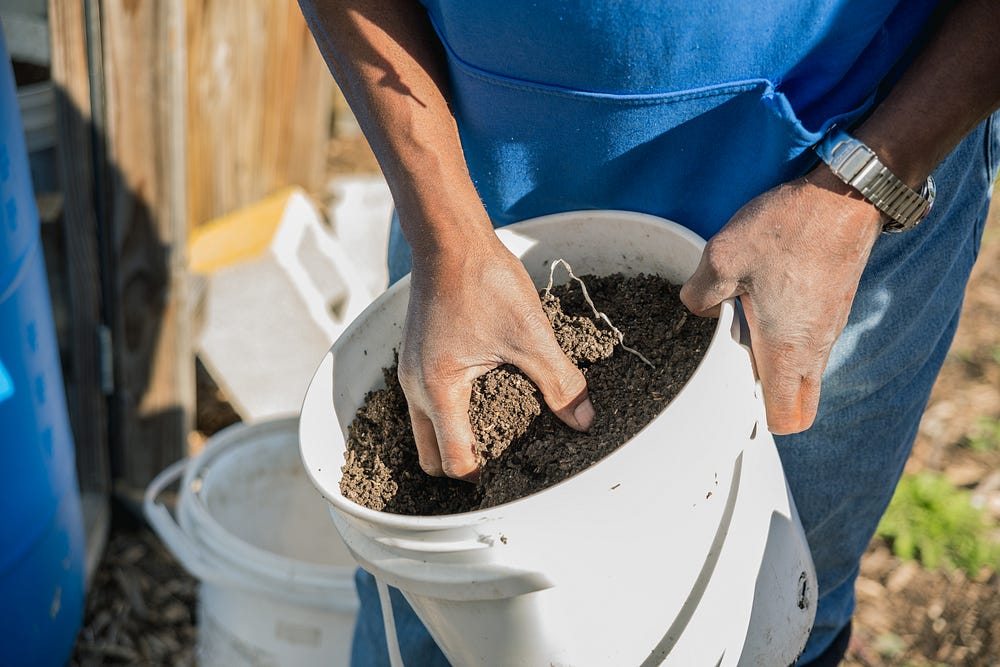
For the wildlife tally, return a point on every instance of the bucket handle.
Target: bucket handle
(167, 528)
(433, 547)
(740, 331)
(389, 623)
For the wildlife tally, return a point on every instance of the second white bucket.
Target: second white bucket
(683, 547)
(276, 588)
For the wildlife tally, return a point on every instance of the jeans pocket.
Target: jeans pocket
(987, 178)
(991, 148)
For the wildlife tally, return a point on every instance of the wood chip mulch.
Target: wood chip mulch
(140, 608)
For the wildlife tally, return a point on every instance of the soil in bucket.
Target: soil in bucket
(522, 446)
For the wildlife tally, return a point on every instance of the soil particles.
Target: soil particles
(522, 446)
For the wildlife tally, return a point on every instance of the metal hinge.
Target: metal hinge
(106, 358)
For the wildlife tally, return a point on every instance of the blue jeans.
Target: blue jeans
(842, 471)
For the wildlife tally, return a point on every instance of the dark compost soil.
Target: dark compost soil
(523, 447)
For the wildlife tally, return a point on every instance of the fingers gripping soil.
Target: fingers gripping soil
(439, 412)
(563, 387)
(439, 403)
(450, 340)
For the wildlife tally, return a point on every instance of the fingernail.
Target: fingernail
(584, 414)
(430, 469)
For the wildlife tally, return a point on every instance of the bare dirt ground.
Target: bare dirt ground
(142, 605)
(906, 615)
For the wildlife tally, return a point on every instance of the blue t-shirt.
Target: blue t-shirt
(680, 109)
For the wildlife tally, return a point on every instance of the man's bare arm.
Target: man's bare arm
(388, 62)
(952, 86)
(472, 305)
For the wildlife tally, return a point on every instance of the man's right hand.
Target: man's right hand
(472, 308)
(472, 305)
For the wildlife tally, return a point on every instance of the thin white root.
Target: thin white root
(598, 314)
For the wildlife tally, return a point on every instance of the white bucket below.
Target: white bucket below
(277, 585)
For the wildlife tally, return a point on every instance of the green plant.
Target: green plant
(960, 355)
(986, 436)
(889, 645)
(995, 354)
(931, 521)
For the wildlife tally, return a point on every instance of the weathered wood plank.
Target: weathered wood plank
(144, 75)
(86, 400)
(260, 101)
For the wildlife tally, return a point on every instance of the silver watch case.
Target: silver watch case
(858, 166)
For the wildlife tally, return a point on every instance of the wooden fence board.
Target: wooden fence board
(170, 114)
(144, 78)
(260, 101)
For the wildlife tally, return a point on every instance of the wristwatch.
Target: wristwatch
(857, 165)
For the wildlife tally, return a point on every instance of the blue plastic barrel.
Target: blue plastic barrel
(41, 525)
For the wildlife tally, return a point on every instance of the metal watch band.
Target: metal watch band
(858, 166)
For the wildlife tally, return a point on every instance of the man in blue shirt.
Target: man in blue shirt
(711, 114)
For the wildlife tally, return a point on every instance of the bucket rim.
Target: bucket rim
(464, 519)
(236, 553)
(329, 488)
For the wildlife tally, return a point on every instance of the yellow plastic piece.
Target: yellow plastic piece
(238, 236)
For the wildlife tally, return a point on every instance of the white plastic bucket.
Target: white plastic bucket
(682, 547)
(277, 586)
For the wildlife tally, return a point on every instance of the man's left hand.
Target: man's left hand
(794, 256)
